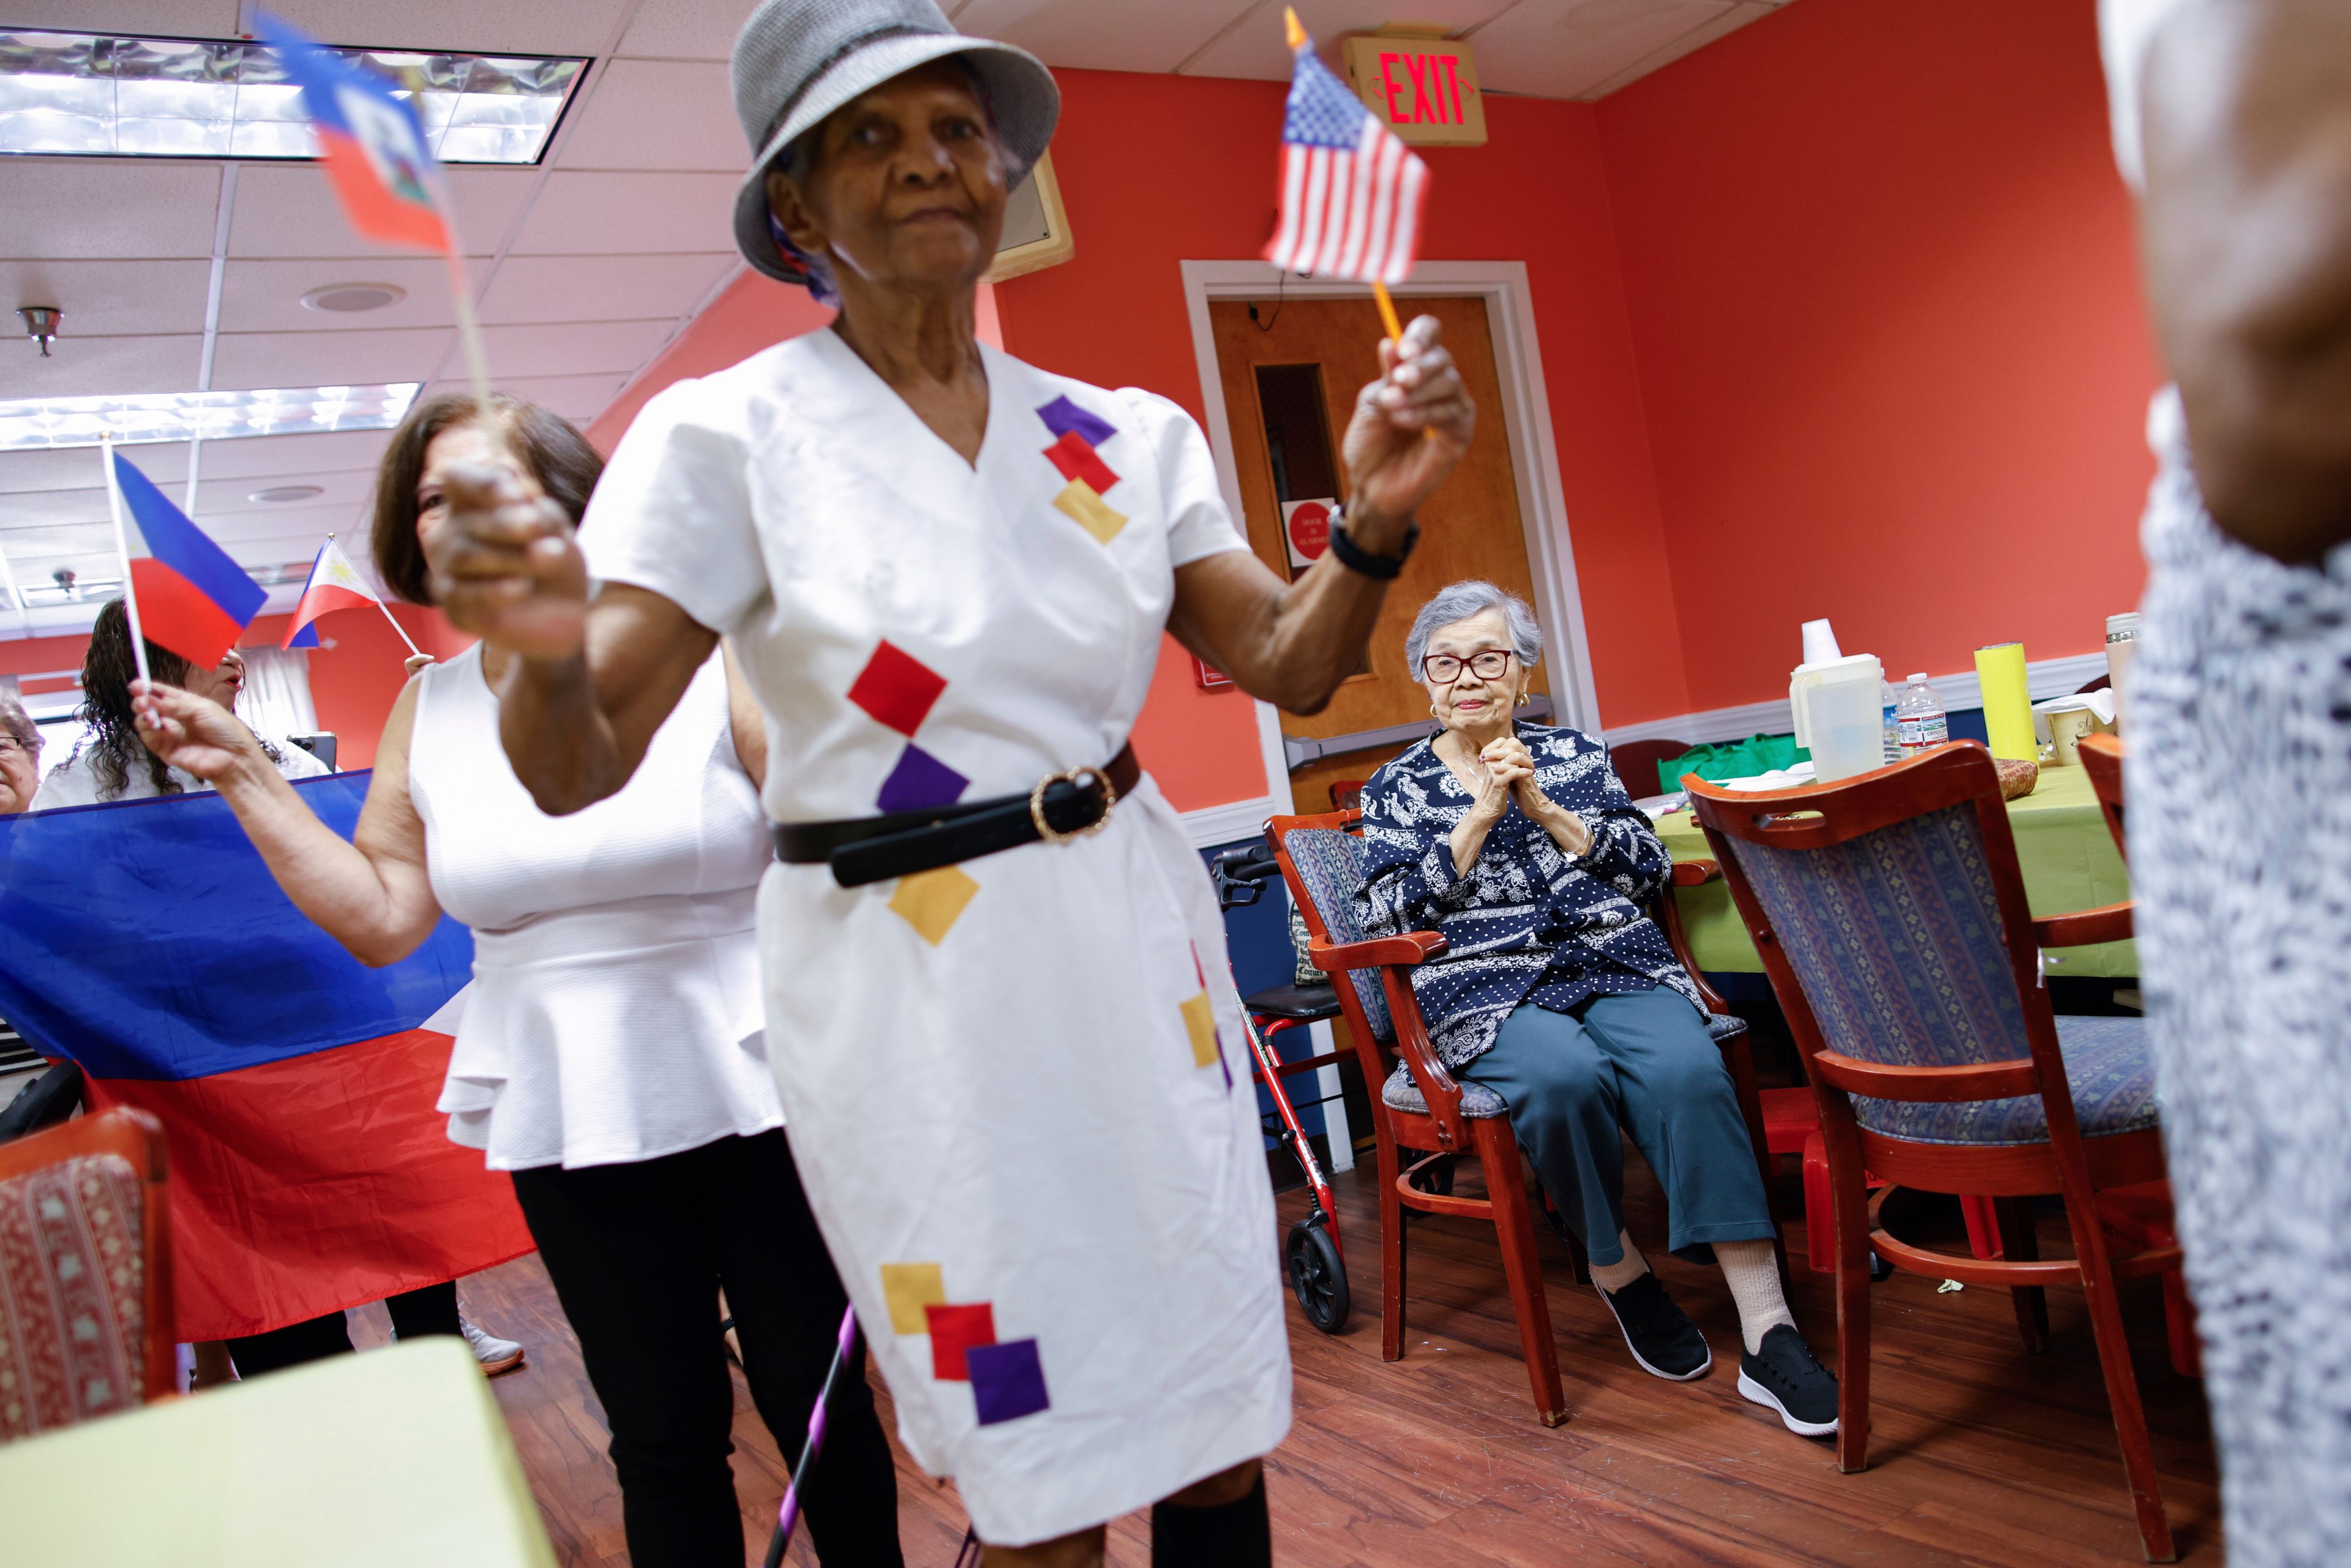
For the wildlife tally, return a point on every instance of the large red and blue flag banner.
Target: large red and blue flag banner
(372, 142)
(188, 594)
(309, 1172)
(1352, 192)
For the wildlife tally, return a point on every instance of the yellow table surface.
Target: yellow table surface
(2068, 859)
(396, 1457)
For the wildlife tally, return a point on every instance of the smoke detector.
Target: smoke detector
(41, 324)
(349, 298)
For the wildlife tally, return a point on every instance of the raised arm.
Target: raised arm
(589, 682)
(2246, 229)
(371, 894)
(1293, 643)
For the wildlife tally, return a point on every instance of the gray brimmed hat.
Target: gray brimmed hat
(796, 61)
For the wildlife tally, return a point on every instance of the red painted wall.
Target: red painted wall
(1890, 341)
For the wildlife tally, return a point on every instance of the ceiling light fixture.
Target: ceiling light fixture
(347, 298)
(32, 423)
(285, 495)
(41, 323)
(112, 97)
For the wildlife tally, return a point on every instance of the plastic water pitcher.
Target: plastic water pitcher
(1840, 713)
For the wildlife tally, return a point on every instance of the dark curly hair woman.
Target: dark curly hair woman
(110, 762)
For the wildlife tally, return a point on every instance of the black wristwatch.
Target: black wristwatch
(1354, 558)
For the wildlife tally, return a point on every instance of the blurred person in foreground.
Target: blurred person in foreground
(2232, 123)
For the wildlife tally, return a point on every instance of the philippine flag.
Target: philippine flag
(146, 941)
(334, 584)
(372, 143)
(192, 598)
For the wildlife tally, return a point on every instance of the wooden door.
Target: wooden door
(1291, 372)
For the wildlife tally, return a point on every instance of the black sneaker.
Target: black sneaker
(1659, 1333)
(1788, 1377)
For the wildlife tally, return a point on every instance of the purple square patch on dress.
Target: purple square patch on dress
(1063, 416)
(920, 782)
(1007, 1381)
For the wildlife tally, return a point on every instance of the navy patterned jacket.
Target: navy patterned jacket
(1526, 923)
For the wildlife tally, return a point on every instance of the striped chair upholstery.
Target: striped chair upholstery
(72, 1307)
(1331, 864)
(1896, 939)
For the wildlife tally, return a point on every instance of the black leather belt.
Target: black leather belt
(862, 850)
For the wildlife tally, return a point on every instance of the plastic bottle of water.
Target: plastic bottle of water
(1893, 722)
(1920, 714)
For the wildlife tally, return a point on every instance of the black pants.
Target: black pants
(638, 1253)
(414, 1314)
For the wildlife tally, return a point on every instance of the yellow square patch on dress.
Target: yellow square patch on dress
(1200, 1023)
(909, 1288)
(1092, 513)
(931, 900)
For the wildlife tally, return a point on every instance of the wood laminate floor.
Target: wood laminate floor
(1981, 1453)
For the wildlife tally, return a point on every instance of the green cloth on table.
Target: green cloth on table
(389, 1458)
(1757, 754)
(2068, 859)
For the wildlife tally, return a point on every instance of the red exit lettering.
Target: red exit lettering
(1430, 74)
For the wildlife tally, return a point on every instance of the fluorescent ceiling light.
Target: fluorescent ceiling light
(225, 97)
(38, 422)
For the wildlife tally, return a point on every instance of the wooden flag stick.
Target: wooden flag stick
(1387, 313)
(122, 552)
(469, 332)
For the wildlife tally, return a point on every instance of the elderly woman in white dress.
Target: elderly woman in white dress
(611, 1051)
(995, 969)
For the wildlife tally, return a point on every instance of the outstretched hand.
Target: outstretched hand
(1410, 427)
(505, 565)
(194, 734)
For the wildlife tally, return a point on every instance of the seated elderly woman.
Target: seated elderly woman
(20, 755)
(1556, 991)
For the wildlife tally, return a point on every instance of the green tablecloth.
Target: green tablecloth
(2068, 859)
(396, 1457)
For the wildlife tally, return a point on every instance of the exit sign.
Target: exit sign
(1423, 89)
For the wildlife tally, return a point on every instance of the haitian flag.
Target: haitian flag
(370, 142)
(309, 1172)
(193, 597)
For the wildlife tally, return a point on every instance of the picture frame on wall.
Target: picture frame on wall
(1035, 226)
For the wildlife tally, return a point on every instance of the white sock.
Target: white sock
(1615, 1277)
(1753, 1275)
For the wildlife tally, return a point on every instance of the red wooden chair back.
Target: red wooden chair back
(2101, 759)
(85, 1272)
(1635, 763)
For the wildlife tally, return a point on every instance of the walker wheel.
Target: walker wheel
(1315, 1277)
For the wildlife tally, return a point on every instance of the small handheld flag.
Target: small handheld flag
(334, 583)
(180, 589)
(1352, 192)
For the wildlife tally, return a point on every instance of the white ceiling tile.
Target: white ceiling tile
(308, 525)
(600, 288)
(222, 495)
(1256, 48)
(1689, 43)
(73, 468)
(32, 550)
(686, 29)
(246, 359)
(42, 507)
(1089, 35)
(270, 457)
(589, 214)
(117, 208)
(1560, 48)
(97, 367)
(572, 349)
(266, 295)
(168, 19)
(109, 298)
(290, 211)
(578, 399)
(658, 114)
(512, 26)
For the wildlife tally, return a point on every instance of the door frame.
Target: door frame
(1534, 457)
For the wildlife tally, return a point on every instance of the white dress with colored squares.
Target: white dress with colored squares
(1017, 1088)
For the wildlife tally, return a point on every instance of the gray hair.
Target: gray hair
(16, 721)
(1460, 600)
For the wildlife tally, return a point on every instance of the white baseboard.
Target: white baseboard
(2046, 678)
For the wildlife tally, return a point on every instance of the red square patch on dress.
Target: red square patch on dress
(955, 1329)
(897, 688)
(1078, 460)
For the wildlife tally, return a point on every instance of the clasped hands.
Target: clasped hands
(1509, 771)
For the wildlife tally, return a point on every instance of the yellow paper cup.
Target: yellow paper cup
(2007, 703)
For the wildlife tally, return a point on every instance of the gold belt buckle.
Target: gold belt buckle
(1045, 830)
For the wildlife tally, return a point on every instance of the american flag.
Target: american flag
(1350, 191)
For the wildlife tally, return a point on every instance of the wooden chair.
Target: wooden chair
(1421, 1106)
(1347, 794)
(2101, 759)
(1892, 920)
(1635, 763)
(85, 1272)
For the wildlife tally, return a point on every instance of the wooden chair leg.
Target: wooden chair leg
(2122, 1383)
(2011, 1235)
(1740, 1058)
(1850, 1210)
(1514, 1228)
(1392, 1239)
(2180, 1327)
(1820, 1208)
